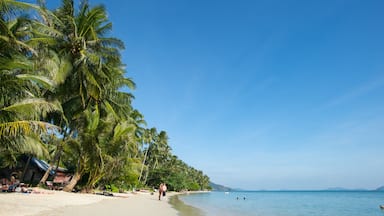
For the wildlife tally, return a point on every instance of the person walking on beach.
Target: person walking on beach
(164, 189)
(161, 190)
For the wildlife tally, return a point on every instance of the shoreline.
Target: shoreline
(183, 208)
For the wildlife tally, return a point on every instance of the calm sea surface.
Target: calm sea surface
(288, 203)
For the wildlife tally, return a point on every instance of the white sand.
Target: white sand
(50, 203)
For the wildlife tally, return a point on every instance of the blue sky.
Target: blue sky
(262, 94)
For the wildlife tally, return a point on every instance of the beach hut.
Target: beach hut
(30, 170)
(58, 176)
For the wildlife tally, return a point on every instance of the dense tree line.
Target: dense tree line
(61, 76)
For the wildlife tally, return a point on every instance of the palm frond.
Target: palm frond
(18, 62)
(32, 145)
(40, 80)
(110, 109)
(33, 108)
(112, 42)
(21, 5)
(104, 29)
(17, 128)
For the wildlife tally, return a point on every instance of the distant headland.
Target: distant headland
(218, 187)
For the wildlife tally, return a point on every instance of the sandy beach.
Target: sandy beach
(50, 203)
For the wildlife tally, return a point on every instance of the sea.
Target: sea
(287, 203)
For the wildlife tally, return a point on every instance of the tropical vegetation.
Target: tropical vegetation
(65, 98)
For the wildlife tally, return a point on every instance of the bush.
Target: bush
(112, 188)
(194, 186)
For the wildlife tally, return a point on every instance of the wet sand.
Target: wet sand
(184, 209)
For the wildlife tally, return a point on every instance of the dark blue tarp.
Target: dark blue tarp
(42, 165)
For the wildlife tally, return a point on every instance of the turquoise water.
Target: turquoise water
(288, 203)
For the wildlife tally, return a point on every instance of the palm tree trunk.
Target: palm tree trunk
(57, 165)
(76, 177)
(45, 176)
(55, 158)
(146, 176)
(142, 165)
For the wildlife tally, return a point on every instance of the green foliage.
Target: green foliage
(178, 176)
(194, 186)
(61, 77)
(112, 188)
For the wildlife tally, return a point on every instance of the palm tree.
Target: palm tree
(158, 152)
(96, 72)
(25, 63)
(148, 139)
(118, 144)
(22, 109)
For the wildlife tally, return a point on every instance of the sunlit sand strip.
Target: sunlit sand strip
(49, 203)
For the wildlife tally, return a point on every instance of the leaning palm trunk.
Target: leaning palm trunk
(76, 177)
(46, 174)
(146, 176)
(142, 165)
(59, 149)
(78, 173)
